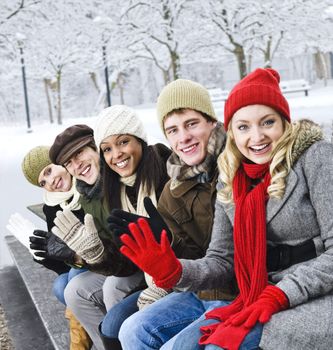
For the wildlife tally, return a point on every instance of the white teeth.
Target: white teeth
(122, 164)
(258, 148)
(84, 172)
(188, 149)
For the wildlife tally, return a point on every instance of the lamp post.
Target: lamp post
(106, 73)
(20, 37)
(103, 21)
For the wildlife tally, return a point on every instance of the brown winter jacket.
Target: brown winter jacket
(188, 210)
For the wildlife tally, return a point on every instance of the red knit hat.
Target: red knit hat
(259, 87)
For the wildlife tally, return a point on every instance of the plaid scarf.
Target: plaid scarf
(179, 171)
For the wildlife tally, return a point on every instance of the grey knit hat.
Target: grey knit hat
(117, 120)
(34, 162)
(183, 93)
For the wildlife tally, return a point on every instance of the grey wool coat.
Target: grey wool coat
(305, 212)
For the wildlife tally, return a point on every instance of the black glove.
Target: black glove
(119, 220)
(57, 266)
(51, 247)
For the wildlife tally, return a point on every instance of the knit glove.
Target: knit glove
(270, 301)
(231, 333)
(83, 239)
(156, 259)
(49, 246)
(150, 295)
(120, 219)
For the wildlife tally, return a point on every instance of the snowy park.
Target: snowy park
(15, 141)
(63, 62)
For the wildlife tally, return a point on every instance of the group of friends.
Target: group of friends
(224, 240)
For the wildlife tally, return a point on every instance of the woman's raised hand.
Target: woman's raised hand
(156, 259)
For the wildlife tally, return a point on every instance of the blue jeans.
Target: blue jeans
(61, 282)
(188, 338)
(118, 314)
(154, 326)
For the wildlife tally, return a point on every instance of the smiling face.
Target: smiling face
(84, 165)
(122, 153)
(188, 134)
(55, 178)
(256, 130)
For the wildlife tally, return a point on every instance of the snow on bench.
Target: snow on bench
(39, 282)
(295, 86)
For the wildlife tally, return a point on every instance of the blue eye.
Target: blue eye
(269, 122)
(242, 127)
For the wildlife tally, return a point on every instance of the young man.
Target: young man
(188, 121)
(91, 294)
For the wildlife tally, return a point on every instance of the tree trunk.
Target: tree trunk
(120, 84)
(48, 99)
(241, 60)
(321, 66)
(267, 54)
(94, 80)
(174, 64)
(59, 114)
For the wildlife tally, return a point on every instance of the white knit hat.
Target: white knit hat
(118, 120)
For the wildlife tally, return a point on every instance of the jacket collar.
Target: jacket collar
(178, 189)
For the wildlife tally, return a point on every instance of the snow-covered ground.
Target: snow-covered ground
(15, 142)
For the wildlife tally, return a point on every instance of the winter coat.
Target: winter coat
(113, 262)
(94, 204)
(304, 213)
(188, 210)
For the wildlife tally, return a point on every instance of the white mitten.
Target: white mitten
(83, 239)
(22, 229)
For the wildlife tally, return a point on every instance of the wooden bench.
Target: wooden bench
(298, 85)
(39, 282)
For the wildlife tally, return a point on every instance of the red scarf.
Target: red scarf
(249, 255)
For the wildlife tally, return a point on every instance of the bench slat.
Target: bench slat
(39, 282)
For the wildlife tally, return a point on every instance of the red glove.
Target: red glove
(157, 259)
(231, 333)
(271, 300)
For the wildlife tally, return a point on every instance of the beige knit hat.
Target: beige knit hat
(117, 120)
(34, 162)
(183, 93)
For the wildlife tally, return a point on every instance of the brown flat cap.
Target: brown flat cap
(69, 142)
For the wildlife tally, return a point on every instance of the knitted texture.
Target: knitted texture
(156, 259)
(83, 239)
(259, 87)
(249, 255)
(70, 141)
(183, 93)
(34, 162)
(117, 120)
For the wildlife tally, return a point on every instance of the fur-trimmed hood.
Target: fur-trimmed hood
(307, 133)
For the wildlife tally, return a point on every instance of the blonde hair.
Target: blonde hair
(230, 160)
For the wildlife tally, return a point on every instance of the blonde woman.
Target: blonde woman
(272, 228)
